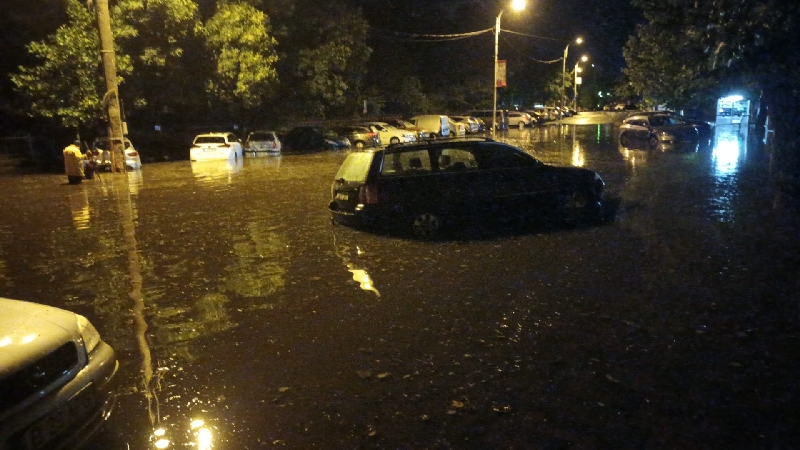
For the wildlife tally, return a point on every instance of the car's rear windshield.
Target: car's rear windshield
(209, 140)
(355, 167)
(261, 137)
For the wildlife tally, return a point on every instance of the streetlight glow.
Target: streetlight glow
(578, 41)
(578, 69)
(516, 5)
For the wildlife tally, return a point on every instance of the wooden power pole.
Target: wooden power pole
(111, 98)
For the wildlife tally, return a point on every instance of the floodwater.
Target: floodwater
(242, 318)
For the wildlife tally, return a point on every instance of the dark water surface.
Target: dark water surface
(243, 319)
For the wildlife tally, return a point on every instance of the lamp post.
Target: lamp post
(564, 72)
(584, 58)
(516, 5)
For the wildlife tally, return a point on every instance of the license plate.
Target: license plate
(209, 149)
(340, 196)
(50, 426)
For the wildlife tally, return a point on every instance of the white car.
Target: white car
(470, 123)
(262, 142)
(55, 374)
(457, 129)
(212, 146)
(101, 148)
(519, 119)
(390, 134)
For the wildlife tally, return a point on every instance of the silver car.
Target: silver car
(55, 374)
(654, 129)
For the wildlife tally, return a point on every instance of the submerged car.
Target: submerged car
(262, 142)
(55, 377)
(426, 187)
(705, 130)
(102, 149)
(307, 139)
(215, 146)
(359, 136)
(656, 128)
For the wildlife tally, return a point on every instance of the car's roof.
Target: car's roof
(392, 148)
(215, 134)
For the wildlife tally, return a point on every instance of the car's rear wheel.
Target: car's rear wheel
(653, 141)
(623, 139)
(425, 225)
(359, 145)
(521, 125)
(394, 140)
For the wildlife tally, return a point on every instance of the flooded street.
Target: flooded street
(244, 319)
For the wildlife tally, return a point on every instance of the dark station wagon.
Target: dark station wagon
(425, 186)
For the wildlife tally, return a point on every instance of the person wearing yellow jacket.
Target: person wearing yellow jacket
(73, 163)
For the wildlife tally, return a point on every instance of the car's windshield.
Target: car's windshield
(209, 140)
(355, 167)
(261, 137)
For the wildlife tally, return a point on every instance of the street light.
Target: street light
(584, 58)
(564, 72)
(516, 5)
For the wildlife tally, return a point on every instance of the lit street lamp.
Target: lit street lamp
(516, 5)
(564, 72)
(584, 58)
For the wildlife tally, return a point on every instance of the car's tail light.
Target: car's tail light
(368, 194)
(133, 154)
(224, 145)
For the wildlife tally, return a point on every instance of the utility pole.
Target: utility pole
(111, 98)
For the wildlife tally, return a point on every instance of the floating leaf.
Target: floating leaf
(457, 404)
(284, 389)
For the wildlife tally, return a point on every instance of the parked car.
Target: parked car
(335, 140)
(216, 146)
(102, 150)
(359, 136)
(262, 143)
(705, 130)
(420, 133)
(55, 377)
(435, 124)
(457, 129)
(305, 139)
(519, 119)
(656, 128)
(425, 187)
(471, 124)
(486, 114)
(390, 134)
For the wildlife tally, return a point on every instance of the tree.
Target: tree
(666, 59)
(238, 35)
(159, 35)
(326, 56)
(68, 82)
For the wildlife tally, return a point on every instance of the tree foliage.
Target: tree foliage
(243, 48)
(667, 62)
(326, 55)
(67, 83)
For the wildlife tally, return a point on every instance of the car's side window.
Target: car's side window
(456, 159)
(404, 163)
(502, 157)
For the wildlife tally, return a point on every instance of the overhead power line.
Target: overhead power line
(414, 37)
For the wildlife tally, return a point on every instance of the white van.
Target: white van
(438, 126)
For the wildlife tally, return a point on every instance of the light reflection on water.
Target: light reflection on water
(730, 144)
(216, 171)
